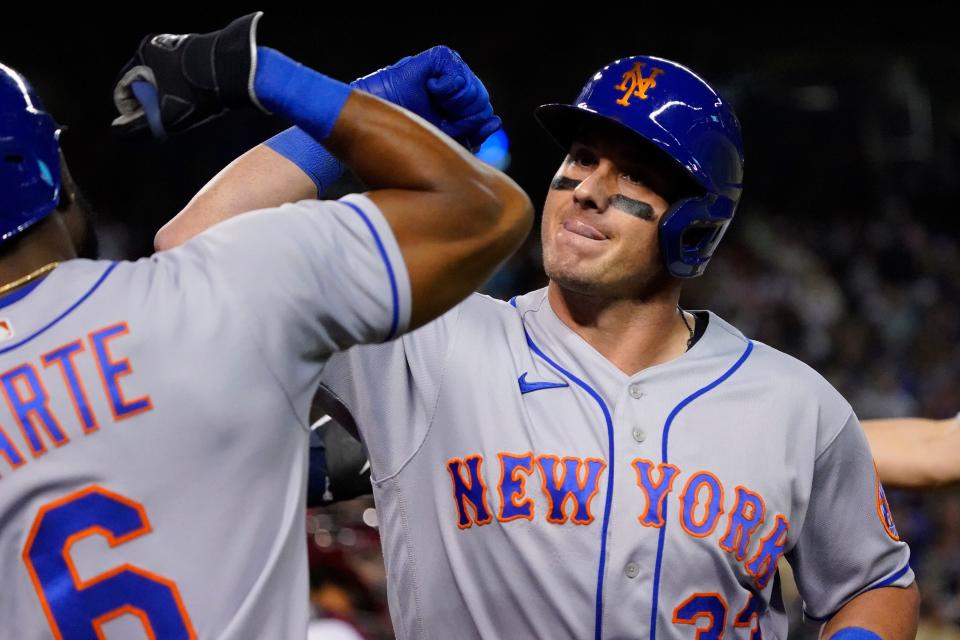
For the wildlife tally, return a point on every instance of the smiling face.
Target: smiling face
(601, 216)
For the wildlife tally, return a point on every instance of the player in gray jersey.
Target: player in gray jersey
(588, 460)
(126, 482)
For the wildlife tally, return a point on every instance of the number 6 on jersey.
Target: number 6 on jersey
(77, 609)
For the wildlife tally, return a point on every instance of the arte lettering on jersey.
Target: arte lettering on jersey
(568, 485)
(635, 85)
(28, 389)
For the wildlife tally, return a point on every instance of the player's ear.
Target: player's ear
(77, 215)
(67, 186)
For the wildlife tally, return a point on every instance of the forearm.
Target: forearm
(890, 612)
(259, 179)
(454, 217)
(914, 453)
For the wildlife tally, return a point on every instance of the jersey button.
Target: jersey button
(632, 570)
(639, 434)
(635, 391)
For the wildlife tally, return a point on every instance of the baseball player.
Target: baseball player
(589, 460)
(128, 483)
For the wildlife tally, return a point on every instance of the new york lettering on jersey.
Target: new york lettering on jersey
(598, 504)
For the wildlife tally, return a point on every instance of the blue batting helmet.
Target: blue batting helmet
(29, 156)
(662, 103)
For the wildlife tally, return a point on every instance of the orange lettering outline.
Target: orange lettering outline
(749, 532)
(696, 503)
(113, 541)
(522, 481)
(663, 466)
(776, 527)
(116, 378)
(469, 487)
(702, 614)
(33, 422)
(563, 480)
(13, 465)
(748, 623)
(83, 391)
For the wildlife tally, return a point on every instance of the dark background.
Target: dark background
(840, 109)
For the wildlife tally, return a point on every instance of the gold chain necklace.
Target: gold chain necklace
(33, 275)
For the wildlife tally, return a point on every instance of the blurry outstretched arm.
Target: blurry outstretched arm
(913, 453)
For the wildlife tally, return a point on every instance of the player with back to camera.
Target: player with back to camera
(588, 460)
(127, 481)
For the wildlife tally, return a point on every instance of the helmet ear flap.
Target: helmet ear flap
(690, 232)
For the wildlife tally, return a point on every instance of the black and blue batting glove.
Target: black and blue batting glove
(175, 82)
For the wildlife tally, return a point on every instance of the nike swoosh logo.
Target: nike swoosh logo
(527, 387)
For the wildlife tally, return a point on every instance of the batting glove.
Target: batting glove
(175, 82)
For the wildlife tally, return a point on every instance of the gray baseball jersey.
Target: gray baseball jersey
(528, 488)
(154, 434)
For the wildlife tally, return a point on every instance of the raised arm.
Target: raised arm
(913, 453)
(455, 218)
(435, 84)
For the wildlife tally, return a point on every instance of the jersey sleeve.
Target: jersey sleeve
(848, 543)
(387, 393)
(298, 283)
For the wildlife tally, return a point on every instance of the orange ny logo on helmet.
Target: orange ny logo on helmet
(634, 84)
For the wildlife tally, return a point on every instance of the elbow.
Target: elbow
(507, 214)
(169, 236)
(164, 239)
(516, 218)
